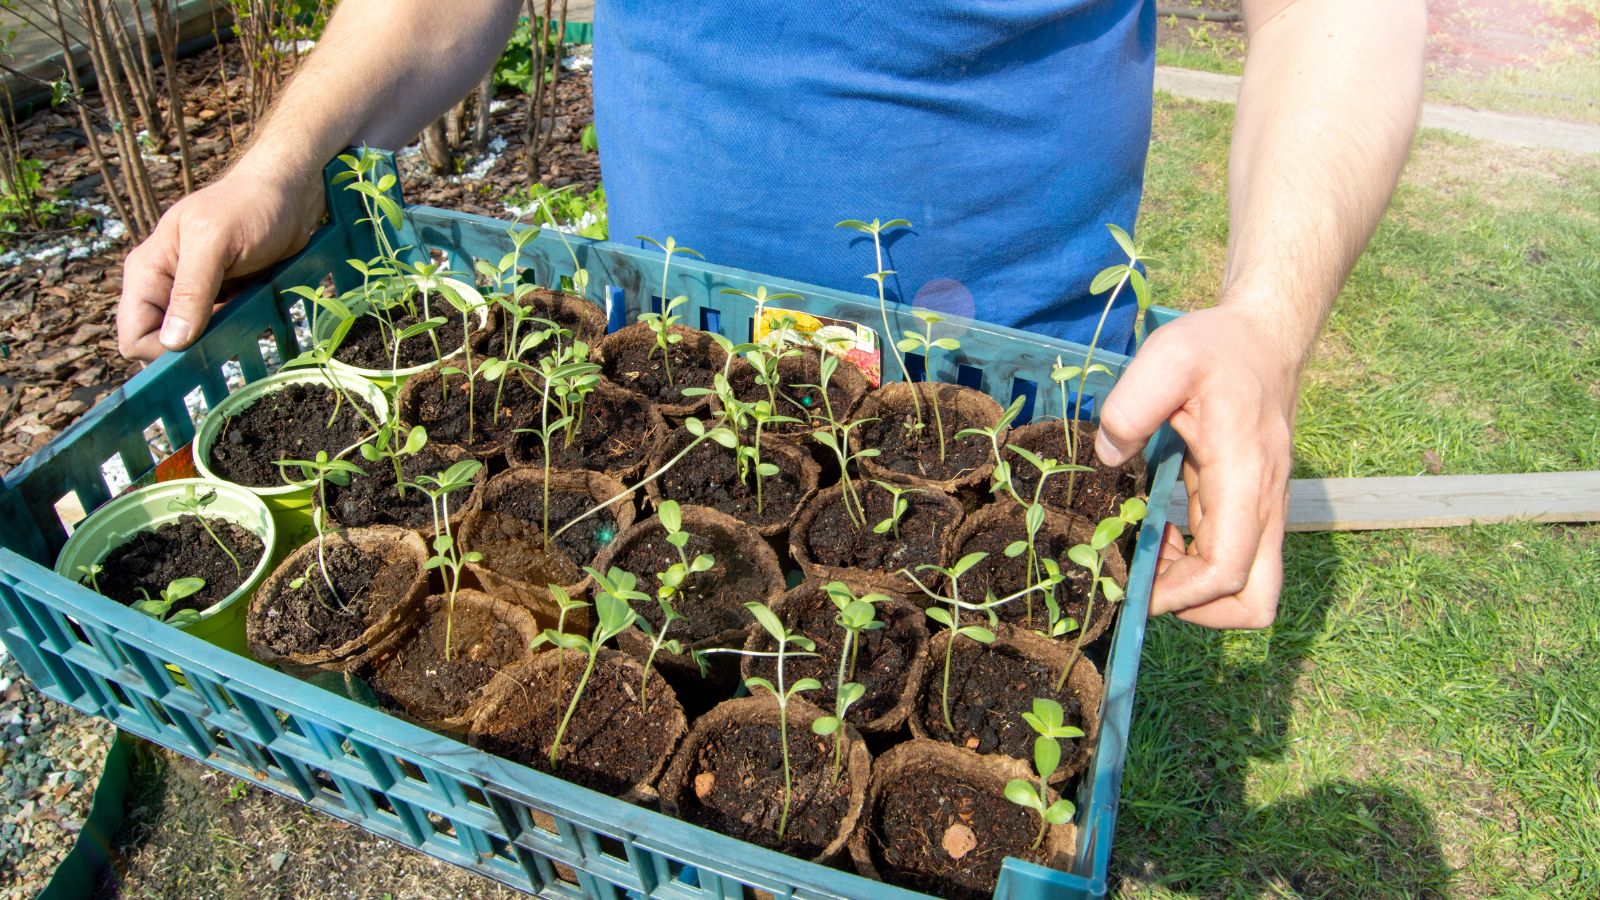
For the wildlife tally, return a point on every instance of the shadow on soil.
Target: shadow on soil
(1208, 705)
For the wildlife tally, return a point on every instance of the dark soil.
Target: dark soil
(153, 559)
(743, 797)
(1001, 576)
(802, 366)
(609, 745)
(906, 450)
(882, 660)
(712, 601)
(991, 686)
(497, 410)
(834, 539)
(289, 423)
(709, 476)
(311, 618)
(908, 835)
(419, 681)
(1095, 495)
(374, 498)
(613, 436)
(637, 366)
(367, 345)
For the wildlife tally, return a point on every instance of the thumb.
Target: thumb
(195, 281)
(1155, 385)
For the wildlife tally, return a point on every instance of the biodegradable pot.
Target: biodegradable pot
(699, 790)
(145, 509)
(505, 527)
(802, 366)
(390, 379)
(290, 505)
(345, 506)
(908, 805)
(889, 663)
(418, 403)
(711, 472)
(968, 461)
(1019, 666)
(991, 528)
(629, 357)
(579, 315)
(490, 639)
(869, 558)
(602, 443)
(746, 569)
(398, 585)
(1096, 495)
(520, 722)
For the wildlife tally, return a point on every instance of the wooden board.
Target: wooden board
(1432, 501)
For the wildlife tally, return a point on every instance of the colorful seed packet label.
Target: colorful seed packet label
(851, 341)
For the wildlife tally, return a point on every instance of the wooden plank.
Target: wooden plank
(1431, 501)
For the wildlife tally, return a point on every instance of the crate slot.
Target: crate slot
(115, 473)
(711, 320)
(916, 367)
(969, 376)
(155, 438)
(1028, 390)
(69, 511)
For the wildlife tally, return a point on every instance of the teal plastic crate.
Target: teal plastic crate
(518, 826)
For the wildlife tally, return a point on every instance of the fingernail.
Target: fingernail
(1103, 448)
(175, 333)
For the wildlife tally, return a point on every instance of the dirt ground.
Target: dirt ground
(191, 831)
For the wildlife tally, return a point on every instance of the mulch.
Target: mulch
(58, 290)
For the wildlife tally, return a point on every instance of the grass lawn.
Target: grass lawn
(1423, 718)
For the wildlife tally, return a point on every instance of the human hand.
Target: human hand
(240, 224)
(1228, 386)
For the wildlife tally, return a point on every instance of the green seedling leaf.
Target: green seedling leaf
(1022, 794)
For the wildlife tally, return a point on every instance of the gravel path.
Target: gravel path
(50, 761)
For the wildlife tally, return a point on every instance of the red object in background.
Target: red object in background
(179, 465)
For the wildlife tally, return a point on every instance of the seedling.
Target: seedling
(927, 343)
(876, 229)
(663, 321)
(91, 574)
(721, 434)
(1113, 279)
(393, 442)
(677, 575)
(194, 503)
(316, 474)
(856, 616)
(566, 605)
(447, 554)
(466, 308)
(178, 589)
(951, 618)
(781, 693)
(658, 639)
(1092, 556)
(761, 298)
(898, 508)
(1046, 719)
(1033, 521)
(760, 413)
(321, 353)
(567, 382)
(1001, 479)
(613, 615)
(578, 281)
(1061, 374)
(837, 439)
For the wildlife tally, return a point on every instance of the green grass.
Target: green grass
(1559, 89)
(1422, 718)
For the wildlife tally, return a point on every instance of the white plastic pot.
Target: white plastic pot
(145, 509)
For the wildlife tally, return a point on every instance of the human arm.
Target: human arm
(1330, 99)
(382, 70)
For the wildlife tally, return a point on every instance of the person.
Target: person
(1008, 132)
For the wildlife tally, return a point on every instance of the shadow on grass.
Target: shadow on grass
(1208, 705)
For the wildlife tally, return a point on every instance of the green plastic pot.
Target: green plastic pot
(290, 505)
(391, 379)
(113, 524)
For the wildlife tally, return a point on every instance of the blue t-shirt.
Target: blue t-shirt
(1008, 131)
